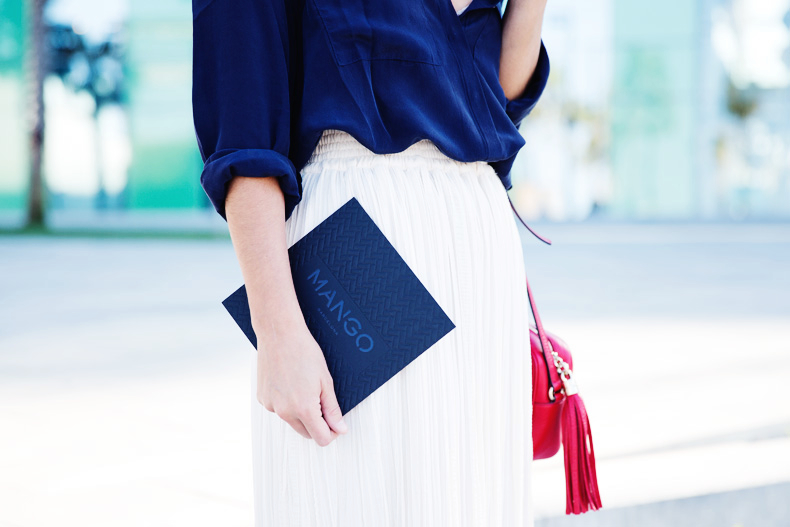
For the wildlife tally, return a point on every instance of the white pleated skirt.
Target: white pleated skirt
(447, 441)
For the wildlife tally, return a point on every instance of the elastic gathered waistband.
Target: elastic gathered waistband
(339, 146)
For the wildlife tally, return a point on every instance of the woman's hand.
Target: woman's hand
(294, 383)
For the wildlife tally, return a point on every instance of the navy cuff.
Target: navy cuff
(224, 165)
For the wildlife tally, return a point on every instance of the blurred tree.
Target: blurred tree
(37, 71)
(96, 68)
(740, 102)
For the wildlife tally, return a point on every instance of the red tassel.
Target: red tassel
(580, 477)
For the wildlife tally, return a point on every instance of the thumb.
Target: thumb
(331, 410)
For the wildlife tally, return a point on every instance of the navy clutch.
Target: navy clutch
(364, 306)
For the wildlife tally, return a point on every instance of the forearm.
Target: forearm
(521, 33)
(255, 213)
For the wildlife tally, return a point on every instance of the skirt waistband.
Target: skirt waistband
(342, 147)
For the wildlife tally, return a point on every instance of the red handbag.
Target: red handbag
(558, 412)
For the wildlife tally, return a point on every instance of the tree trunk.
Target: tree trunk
(37, 68)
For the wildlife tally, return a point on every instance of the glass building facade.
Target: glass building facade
(645, 116)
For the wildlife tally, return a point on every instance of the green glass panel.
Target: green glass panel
(166, 164)
(13, 138)
(656, 84)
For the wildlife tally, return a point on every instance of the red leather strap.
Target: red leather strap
(544, 341)
(541, 238)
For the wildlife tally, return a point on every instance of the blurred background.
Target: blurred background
(657, 161)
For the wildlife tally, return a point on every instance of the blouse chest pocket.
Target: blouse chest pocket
(378, 30)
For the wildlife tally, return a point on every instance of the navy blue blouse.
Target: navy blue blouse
(270, 75)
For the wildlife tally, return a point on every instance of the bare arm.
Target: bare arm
(523, 22)
(293, 379)
(255, 211)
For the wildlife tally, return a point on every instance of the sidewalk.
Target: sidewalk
(125, 387)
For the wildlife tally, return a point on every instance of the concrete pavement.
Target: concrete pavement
(124, 385)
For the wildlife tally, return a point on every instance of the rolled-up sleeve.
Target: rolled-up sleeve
(517, 109)
(241, 102)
